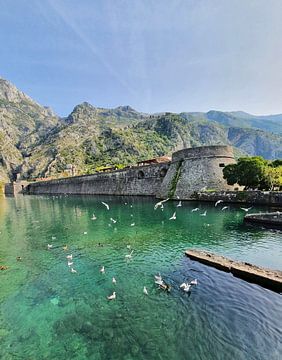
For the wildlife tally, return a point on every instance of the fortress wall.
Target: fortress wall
(143, 180)
(196, 169)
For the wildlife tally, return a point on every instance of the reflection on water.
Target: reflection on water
(46, 312)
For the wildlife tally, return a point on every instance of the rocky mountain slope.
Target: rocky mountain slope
(34, 142)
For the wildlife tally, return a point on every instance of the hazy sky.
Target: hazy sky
(155, 55)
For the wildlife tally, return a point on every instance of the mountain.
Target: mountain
(35, 142)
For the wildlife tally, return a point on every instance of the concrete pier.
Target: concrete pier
(270, 219)
(270, 279)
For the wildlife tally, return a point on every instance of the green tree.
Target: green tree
(249, 172)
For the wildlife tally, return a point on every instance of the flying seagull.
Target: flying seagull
(160, 203)
(179, 204)
(246, 209)
(145, 291)
(218, 202)
(224, 208)
(173, 216)
(112, 297)
(204, 213)
(196, 209)
(105, 204)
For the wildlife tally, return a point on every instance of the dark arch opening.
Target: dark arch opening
(141, 174)
(163, 172)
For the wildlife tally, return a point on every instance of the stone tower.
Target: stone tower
(196, 169)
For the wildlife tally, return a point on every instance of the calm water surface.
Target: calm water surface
(47, 312)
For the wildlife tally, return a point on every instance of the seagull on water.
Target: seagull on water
(145, 291)
(69, 257)
(160, 203)
(179, 204)
(196, 209)
(194, 282)
(73, 270)
(49, 246)
(70, 263)
(94, 217)
(53, 237)
(102, 270)
(112, 297)
(85, 233)
(113, 220)
(114, 281)
(204, 213)
(133, 224)
(105, 204)
(246, 209)
(224, 208)
(185, 286)
(173, 216)
(218, 202)
(129, 256)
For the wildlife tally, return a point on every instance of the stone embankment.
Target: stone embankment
(270, 279)
(271, 218)
(270, 198)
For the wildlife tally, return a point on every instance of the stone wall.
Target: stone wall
(196, 169)
(143, 180)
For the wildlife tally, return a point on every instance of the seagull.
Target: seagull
(179, 204)
(162, 207)
(105, 204)
(145, 291)
(224, 208)
(70, 263)
(173, 216)
(113, 220)
(218, 202)
(194, 282)
(158, 279)
(128, 247)
(102, 270)
(94, 217)
(114, 281)
(133, 224)
(73, 271)
(69, 257)
(125, 203)
(160, 203)
(185, 286)
(49, 246)
(246, 209)
(53, 237)
(196, 209)
(112, 297)
(85, 233)
(204, 213)
(65, 247)
(129, 256)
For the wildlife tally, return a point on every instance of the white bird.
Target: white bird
(131, 215)
(129, 256)
(162, 207)
(94, 217)
(218, 202)
(114, 281)
(204, 213)
(133, 224)
(128, 247)
(194, 282)
(113, 220)
(112, 297)
(145, 291)
(53, 237)
(102, 270)
(246, 209)
(160, 203)
(179, 204)
(159, 280)
(69, 257)
(105, 204)
(224, 208)
(70, 263)
(85, 233)
(185, 286)
(49, 246)
(173, 216)
(196, 209)
(73, 271)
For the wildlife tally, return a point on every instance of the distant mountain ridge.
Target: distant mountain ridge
(35, 142)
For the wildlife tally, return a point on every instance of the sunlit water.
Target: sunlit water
(47, 312)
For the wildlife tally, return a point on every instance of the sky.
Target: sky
(154, 55)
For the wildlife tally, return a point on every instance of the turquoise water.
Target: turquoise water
(47, 312)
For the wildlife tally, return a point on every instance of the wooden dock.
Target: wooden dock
(270, 279)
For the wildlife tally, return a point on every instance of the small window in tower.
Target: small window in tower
(221, 165)
(141, 174)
